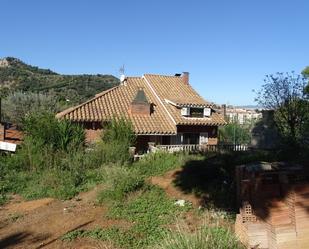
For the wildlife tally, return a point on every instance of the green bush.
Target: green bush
(44, 129)
(119, 129)
(112, 152)
(52, 161)
(117, 137)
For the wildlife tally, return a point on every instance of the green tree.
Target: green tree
(18, 105)
(305, 72)
(234, 133)
(285, 94)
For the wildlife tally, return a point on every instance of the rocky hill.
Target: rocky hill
(16, 75)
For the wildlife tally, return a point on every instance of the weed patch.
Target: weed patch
(206, 237)
(149, 211)
(120, 181)
(159, 163)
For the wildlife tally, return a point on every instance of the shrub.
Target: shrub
(52, 161)
(119, 129)
(117, 137)
(46, 130)
(121, 181)
(32, 156)
(46, 173)
(112, 152)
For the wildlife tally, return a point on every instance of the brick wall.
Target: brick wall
(140, 109)
(93, 135)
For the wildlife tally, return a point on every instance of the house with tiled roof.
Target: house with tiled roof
(163, 109)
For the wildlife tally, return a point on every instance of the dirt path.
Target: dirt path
(41, 223)
(166, 182)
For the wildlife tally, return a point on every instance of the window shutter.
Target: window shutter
(204, 138)
(185, 111)
(207, 112)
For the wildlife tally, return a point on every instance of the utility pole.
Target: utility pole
(235, 121)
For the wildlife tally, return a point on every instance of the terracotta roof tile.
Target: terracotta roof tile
(173, 88)
(116, 102)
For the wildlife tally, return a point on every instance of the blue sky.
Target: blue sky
(227, 46)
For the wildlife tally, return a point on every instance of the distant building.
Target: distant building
(242, 115)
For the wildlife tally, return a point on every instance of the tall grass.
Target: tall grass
(120, 182)
(203, 238)
(53, 162)
(161, 162)
(215, 232)
(44, 129)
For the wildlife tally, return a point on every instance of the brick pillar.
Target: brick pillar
(2, 132)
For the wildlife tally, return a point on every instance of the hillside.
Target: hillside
(16, 75)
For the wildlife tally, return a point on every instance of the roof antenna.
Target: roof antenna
(122, 75)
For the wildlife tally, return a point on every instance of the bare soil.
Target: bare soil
(42, 223)
(166, 182)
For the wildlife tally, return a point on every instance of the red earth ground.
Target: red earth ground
(41, 223)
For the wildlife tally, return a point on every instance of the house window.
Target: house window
(196, 112)
(191, 138)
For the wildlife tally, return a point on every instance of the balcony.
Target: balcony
(198, 147)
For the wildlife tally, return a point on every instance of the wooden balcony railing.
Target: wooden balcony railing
(200, 148)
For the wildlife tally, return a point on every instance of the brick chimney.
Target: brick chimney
(140, 104)
(224, 112)
(185, 78)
